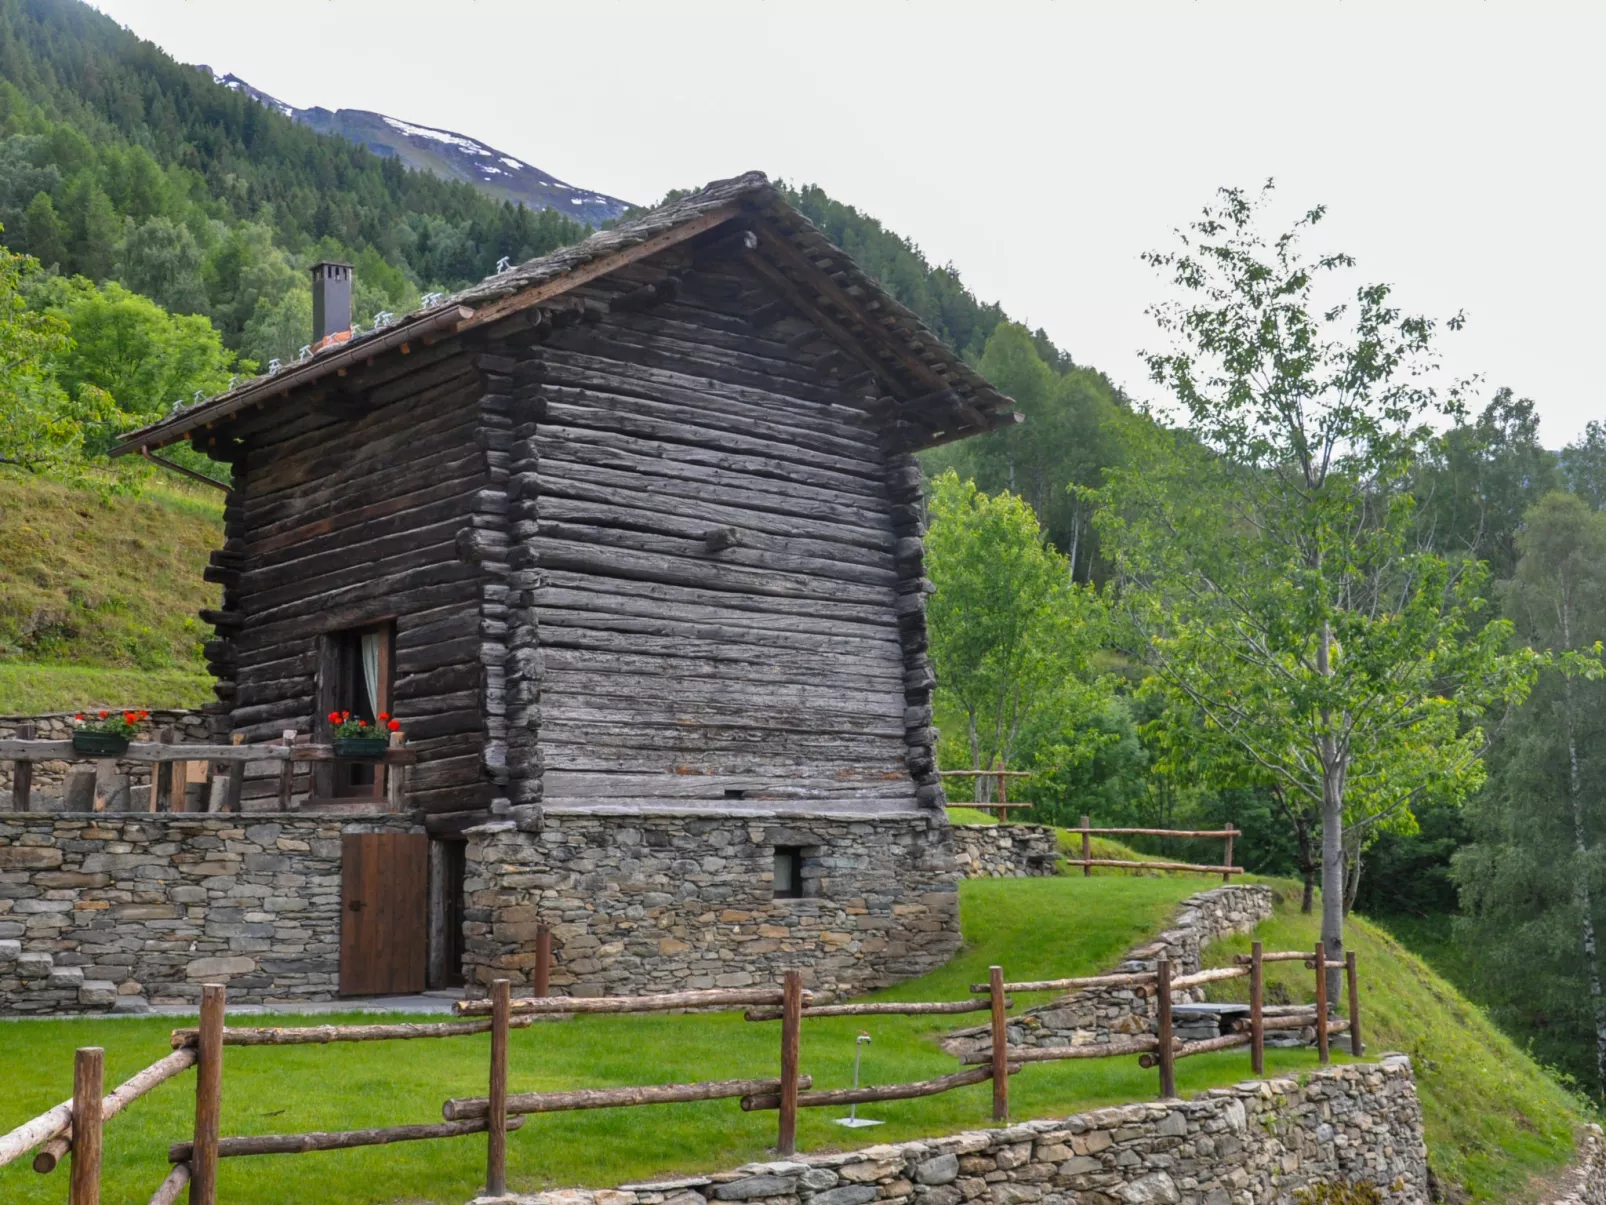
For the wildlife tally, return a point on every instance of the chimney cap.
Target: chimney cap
(331, 263)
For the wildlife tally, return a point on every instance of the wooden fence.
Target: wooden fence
(75, 1126)
(1000, 803)
(1087, 861)
(222, 765)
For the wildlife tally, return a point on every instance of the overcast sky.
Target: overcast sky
(1038, 147)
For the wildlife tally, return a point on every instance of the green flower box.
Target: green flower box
(100, 744)
(361, 746)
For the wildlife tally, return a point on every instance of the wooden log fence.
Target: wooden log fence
(1001, 802)
(1087, 861)
(75, 1126)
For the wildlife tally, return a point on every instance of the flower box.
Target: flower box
(99, 744)
(361, 746)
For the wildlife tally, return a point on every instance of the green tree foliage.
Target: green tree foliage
(1533, 883)
(1011, 637)
(1268, 556)
(38, 432)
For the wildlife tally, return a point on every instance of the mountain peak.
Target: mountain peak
(443, 153)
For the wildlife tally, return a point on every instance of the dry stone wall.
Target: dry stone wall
(189, 728)
(668, 901)
(112, 910)
(1005, 851)
(1585, 1181)
(1102, 1014)
(1253, 1144)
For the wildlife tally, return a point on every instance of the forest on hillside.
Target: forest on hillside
(1096, 570)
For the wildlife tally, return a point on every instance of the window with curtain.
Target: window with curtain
(355, 672)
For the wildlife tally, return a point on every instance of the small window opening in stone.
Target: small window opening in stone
(735, 793)
(788, 872)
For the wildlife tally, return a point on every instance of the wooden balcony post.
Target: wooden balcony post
(1168, 1057)
(88, 1074)
(791, 1043)
(1000, 1052)
(496, 1121)
(1355, 1046)
(208, 1096)
(1257, 1019)
(22, 772)
(1321, 1003)
(287, 771)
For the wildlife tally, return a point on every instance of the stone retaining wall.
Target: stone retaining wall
(1005, 851)
(97, 908)
(1100, 1014)
(1253, 1144)
(189, 728)
(1585, 1181)
(670, 901)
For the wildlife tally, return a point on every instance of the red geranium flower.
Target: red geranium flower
(384, 715)
(104, 714)
(79, 716)
(394, 725)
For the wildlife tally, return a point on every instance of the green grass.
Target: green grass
(1034, 927)
(109, 582)
(29, 689)
(1496, 1123)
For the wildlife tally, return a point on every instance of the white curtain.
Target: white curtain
(370, 669)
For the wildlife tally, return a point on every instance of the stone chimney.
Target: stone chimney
(331, 300)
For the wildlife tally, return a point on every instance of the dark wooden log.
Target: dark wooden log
(1055, 1054)
(1168, 1072)
(1352, 979)
(88, 1070)
(1322, 1054)
(322, 1035)
(521, 1103)
(496, 1103)
(203, 1153)
(1000, 1043)
(859, 1096)
(339, 1140)
(541, 980)
(791, 1036)
(668, 1001)
(1184, 1050)
(1257, 1018)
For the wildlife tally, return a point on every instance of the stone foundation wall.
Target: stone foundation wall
(104, 907)
(1005, 851)
(1100, 1014)
(1254, 1144)
(670, 901)
(189, 728)
(1585, 1181)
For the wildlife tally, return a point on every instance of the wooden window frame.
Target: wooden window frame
(334, 673)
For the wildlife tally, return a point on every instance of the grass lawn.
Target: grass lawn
(31, 689)
(1035, 928)
(1496, 1123)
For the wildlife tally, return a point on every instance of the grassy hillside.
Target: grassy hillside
(99, 597)
(1496, 1122)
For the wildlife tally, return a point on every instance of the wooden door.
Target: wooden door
(384, 916)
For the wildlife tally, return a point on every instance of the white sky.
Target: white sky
(1039, 147)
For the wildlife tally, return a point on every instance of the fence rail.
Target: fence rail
(1087, 861)
(225, 765)
(76, 1125)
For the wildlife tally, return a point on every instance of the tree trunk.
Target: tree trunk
(1352, 882)
(1586, 901)
(1308, 901)
(1333, 767)
(978, 785)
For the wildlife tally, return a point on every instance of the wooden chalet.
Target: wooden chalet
(634, 526)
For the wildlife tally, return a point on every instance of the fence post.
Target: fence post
(496, 1115)
(1168, 1060)
(208, 1096)
(1087, 847)
(287, 771)
(1321, 1002)
(1355, 1046)
(1257, 1020)
(995, 988)
(1226, 858)
(543, 961)
(88, 1072)
(22, 772)
(791, 1040)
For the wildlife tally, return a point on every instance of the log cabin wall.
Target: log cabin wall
(384, 505)
(726, 586)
